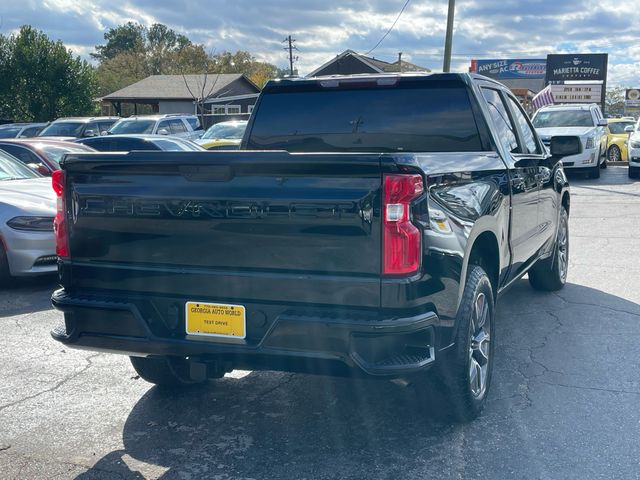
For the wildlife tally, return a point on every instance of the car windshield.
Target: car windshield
(225, 130)
(9, 132)
(169, 145)
(132, 125)
(62, 129)
(563, 118)
(412, 118)
(12, 169)
(618, 127)
(54, 153)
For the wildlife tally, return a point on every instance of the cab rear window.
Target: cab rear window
(384, 119)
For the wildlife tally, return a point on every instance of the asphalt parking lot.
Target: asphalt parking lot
(565, 398)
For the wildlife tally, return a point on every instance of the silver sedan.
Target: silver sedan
(27, 209)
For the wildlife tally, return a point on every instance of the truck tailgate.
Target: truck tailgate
(256, 226)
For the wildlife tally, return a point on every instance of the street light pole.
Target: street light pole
(446, 66)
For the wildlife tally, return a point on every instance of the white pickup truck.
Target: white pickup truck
(583, 120)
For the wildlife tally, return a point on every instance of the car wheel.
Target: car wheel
(594, 172)
(614, 154)
(463, 375)
(550, 274)
(5, 273)
(164, 372)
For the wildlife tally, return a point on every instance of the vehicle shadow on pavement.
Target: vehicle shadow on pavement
(614, 175)
(24, 295)
(281, 425)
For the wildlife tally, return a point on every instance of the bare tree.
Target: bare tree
(204, 87)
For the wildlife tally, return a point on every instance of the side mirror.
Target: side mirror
(629, 129)
(103, 133)
(603, 123)
(90, 133)
(565, 146)
(163, 131)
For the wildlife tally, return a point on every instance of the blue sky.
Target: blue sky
(324, 28)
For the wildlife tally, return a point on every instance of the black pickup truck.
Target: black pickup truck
(366, 227)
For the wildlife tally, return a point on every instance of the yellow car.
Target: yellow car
(223, 135)
(617, 139)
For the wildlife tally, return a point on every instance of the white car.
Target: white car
(634, 152)
(27, 210)
(583, 120)
(175, 125)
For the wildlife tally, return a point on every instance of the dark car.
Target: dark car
(366, 227)
(21, 130)
(41, 154)
(70, 128)
(129, 143)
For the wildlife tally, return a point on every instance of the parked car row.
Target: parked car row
(21, 130)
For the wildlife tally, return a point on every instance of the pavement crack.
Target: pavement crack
(579, 387)
(57, 385)
(532, 360)
(606, 307)
(280, 384)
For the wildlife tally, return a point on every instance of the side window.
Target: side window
(177, 126)
(163, 125)
(500, 117)
(104, 126)
(30, 132)
(528, 136)
(22, 154)
(195, 123)
(93, 127)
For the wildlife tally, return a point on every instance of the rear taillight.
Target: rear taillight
(401, 243)
(59, 222)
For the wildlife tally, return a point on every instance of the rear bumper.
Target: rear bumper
(293, 339)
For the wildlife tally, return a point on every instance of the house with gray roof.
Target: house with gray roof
(350, 63)
(180, 93)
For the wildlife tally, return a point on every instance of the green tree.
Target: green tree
(133, 52)
(243, 62)
(41, 79)
(614, 101)
(125, 38)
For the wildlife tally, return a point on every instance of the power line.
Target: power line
(390, 28)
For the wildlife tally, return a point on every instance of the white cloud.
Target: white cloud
(324, 28)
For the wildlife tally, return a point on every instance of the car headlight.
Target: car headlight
(32, 224)
(635, 143)
(591, 141)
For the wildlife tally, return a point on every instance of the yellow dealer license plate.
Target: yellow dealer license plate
(216, 320)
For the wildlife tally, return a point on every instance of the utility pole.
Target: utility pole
(446, 65)
(291, 47)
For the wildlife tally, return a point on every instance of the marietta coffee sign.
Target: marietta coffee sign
(589, 66)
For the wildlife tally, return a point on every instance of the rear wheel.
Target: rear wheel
(463, 375)
(164, 372)
(550, 274)
(614, 154)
